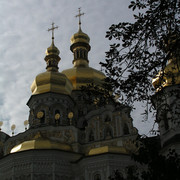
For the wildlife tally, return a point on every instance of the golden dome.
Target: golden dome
(107, 149)
(40, 143)
(82, 76)
(52, 50)
(80, 37)
(171, 75)
(51, 81)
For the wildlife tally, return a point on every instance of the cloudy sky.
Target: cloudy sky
(24, 39)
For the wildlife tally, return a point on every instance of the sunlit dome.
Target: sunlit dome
(82, 76)
(80, 36)
(52, 50)
(40, 143)
(171, 73)
(51, 80)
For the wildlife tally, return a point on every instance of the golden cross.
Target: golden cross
(79, 15)
(52, 29)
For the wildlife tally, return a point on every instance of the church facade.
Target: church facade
(72, 135)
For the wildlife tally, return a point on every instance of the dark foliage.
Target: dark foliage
(98, 94)
(157, 167)
(142, 48)
(131, 174)
(117, 176)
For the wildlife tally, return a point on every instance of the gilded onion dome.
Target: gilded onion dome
(51, 80)
(80, 37)
(52, 50)
(171, 73)
(81, 74)
(40, 143)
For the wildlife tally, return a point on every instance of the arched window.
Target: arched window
(91, 136)
(107, 118)
(166, 124)
(43, 118)
(77, 52)
(125, 129)
(84, 54)
(81, 53)
(108, 133)
(84, 124)
(97, 177)
(75, 55)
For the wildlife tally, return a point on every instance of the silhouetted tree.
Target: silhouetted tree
(142, 48)
(156, 166)
(139, 51)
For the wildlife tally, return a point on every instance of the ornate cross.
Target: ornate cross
(52, 29)
(79, 15)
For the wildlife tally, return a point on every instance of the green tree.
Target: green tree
(142, 48)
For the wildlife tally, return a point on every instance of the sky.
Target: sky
(24, 39)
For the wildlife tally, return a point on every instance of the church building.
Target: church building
(73, 133)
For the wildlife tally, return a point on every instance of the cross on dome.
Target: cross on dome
(79, 15)
(52, 29)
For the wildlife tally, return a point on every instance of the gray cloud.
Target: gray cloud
(24, 39)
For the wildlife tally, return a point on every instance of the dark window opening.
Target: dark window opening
(97, 177)
(125, 129)
(107, 119)
(91, 136)
(108, 133)
(42, 119)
